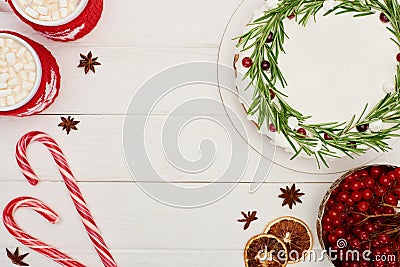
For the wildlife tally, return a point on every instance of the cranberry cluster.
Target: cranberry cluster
(361, 211)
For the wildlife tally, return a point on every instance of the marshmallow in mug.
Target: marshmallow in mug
(18, 72)
(49, 10)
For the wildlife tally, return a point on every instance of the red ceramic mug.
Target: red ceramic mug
(67, 20)
(29, 76)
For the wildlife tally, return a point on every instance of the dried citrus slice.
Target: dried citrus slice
(295, 234)
(265, 251)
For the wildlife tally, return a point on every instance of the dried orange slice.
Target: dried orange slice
(295, 234)
(265, 251)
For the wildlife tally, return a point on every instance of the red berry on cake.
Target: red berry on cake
(362, 128)
(398, 57)
(292, 16)
(247, 62)
(302, 132)
(384, 18)
(270, 38)
(265, 65)
(353, 145)
(272, 128)
(271, 93)
(327, 136)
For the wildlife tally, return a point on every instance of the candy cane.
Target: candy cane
(30, 241)
(70, 182)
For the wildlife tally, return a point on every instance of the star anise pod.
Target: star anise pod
(16, 258)
(88, 62)
(291, 196)
(68, 124)
(248, 219)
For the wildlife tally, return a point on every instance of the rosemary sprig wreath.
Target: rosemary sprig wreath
(267, 37)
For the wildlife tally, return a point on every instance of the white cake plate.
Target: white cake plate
(235, 27)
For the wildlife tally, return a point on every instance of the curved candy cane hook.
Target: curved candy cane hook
(69, 179)
(30, 241)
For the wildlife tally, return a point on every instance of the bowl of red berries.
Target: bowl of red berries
(359, 218)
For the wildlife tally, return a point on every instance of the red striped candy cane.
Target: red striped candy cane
(70, 182)
(30, 241)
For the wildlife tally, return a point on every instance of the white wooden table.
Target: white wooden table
(135, 40)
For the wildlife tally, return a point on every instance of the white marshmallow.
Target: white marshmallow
(10, 42)
(32, 76)
(24, 75)
(5, 93)
(12, 73)
(38, 2)
(28, 56)
(17, 89)
(31, 12)
(45, 18)
(18, 67)
(21, 52)
(18, 98)
(3, 102)
(13, 82)
(30, 66)
(55, 15)
(24, 93)
(63, 12)
(4, 51)
(3, 85)
(63, 3)
(10, 100)
(27, 85)
(10, 58)
(42, 10)
(4, 77)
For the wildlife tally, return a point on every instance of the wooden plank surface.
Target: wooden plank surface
(134, 41)
(135, 224)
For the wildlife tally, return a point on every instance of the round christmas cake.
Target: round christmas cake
(321, 85)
